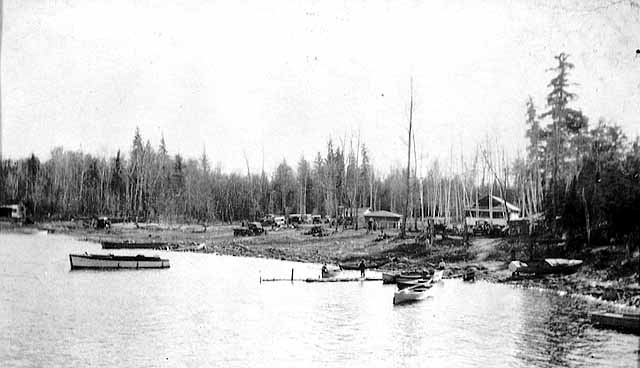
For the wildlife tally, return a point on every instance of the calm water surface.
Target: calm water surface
(209, 310)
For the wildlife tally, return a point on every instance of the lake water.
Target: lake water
(209, 310)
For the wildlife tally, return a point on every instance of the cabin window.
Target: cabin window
(498, 215)
(484, 214)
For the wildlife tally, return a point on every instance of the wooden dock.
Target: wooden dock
(333, 279)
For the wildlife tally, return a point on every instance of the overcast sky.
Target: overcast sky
(236, 76)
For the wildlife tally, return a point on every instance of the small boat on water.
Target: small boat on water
(127, 244)
(110, 261)
(618, 321)
(409, 283)
(411, 294)
(415, 275)
(436, 277)
(545, 266)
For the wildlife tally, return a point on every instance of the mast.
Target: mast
(406, 201)
(1, 16)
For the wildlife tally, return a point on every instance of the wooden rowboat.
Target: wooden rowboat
(618, 321)
(110, 261)
(545, 266)
(411, 294)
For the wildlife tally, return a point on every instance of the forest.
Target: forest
(580, 178)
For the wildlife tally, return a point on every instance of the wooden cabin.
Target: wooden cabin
(12, 211)
(491, 210)
(382, 219)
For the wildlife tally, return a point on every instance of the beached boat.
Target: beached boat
(411, 294)
(545, 266)
(355, 266)
(127, 244)
(110, 261)
(618, 321)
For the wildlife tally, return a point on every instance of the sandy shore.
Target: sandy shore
(489, 256)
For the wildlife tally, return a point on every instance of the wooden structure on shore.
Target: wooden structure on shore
(492, 210)
(126, 244)
(382, 219)
(332, 279)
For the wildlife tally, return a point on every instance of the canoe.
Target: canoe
(110, 261)
(411, 294)
(410, 283)
(126, 244)
(545, 266)
(618, 321)
(411, 276)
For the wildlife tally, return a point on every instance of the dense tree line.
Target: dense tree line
(149, 183)
(585, 180)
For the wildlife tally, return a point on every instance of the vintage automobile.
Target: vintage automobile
(252, 229)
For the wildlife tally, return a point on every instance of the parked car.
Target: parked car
(280, 221)
(252, 229)
(268, 220)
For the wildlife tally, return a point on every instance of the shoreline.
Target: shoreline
(350, 246)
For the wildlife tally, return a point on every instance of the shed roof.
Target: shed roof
(382, 214)
(483, 203)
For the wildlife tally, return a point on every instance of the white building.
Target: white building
(495, 212)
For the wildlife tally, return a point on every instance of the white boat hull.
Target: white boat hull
(115, 262)
(411, 294)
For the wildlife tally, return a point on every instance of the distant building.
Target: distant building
(495, 212)
(382, 219)
(12, 211)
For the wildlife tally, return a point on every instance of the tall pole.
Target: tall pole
(406, 200)
(1, 16)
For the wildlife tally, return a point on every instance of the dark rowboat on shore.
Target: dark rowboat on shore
(110, 261)
(619, 321)
(354, 266)
(545, 266)
(126, 244)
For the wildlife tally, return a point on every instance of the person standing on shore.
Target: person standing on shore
(361, 267)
